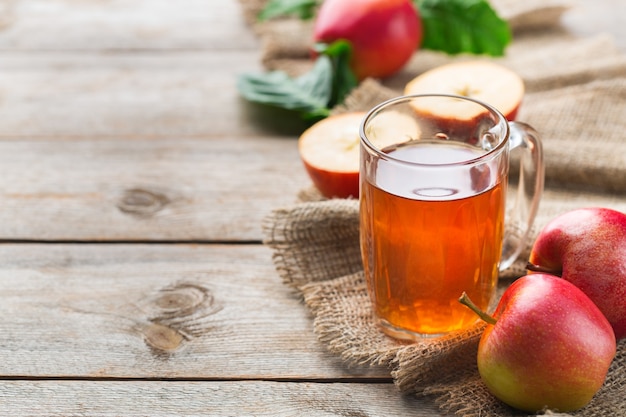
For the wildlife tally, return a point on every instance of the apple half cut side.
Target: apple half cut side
(330, 149)
(484, 81)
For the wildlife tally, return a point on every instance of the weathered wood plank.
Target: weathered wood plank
(126, 94)
(207, 189)
(156, 311)
(128, 398)
(186, 24)
(37, 25)
(125, 68)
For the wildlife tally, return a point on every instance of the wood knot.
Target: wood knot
(183, 299)
(141, 202)
(161, 338)
(181, 312)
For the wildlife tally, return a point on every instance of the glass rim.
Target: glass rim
(364, 140)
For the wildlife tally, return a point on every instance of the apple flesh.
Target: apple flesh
(487, 82)
(384, 34)
(550, 347)
(587, 247)
(330, 149)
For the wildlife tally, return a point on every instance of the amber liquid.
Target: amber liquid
(420, 254)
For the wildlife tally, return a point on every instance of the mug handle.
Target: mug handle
(523, 140)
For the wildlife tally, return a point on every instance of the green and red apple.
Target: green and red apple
(547, 346)
(384, 34)
(587, 247)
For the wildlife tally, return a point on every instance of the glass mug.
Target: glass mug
(433, 185)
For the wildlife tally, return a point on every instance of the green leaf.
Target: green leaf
(312, 94)
(463, 26)
(304, 9)
(344, 79)
(309, 94)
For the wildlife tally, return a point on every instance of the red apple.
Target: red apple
(549, 348)
(330, 148)
(485, 81)
(384, 33)
(587, 247)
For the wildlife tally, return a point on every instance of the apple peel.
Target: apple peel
(547, 346)
(587, 247)
(384, 34)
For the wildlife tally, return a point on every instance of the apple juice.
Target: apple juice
(424, 245)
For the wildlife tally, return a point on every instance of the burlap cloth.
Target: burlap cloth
(576, 99)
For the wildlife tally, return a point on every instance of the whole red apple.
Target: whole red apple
(384, 33)
(550, 346)
(587, 247)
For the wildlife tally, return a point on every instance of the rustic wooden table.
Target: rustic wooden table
(133, 181)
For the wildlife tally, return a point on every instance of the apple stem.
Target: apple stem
(536, 268)
(466, 301)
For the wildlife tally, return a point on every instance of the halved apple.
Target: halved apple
(330, 148)
(485, 81)
(330, 152)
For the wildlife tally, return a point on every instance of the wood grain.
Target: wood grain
(124, 94)
(44, 25)
(246, 398)
(142, 189)
(156, 311)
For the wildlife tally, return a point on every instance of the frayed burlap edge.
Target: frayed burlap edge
(345, 324)
(302, 254)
